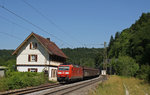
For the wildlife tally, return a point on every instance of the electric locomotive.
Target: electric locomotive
(68, 73)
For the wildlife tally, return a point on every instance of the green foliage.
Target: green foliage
(82, 56)
(117, 35)
(16, 80)
(144, 72)
(134, 42)
(3, 84)
(125, 66)
(7, 59)
(6, 54)
(99, 60)
(79, 56)
(11, 64)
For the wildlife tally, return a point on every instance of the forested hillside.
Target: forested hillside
(7, 59)
(82, 56)
(133, 42)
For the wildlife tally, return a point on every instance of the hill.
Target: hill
(79, 56)
(82, 56)
(6, 57)
(133, 42)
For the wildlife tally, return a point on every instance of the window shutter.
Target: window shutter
(30, 45)
(35, 58)
(35, 45)
(29, 58)
(36, 70)
(28, 69)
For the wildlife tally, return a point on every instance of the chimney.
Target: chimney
(48, 39)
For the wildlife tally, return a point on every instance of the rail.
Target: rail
(68, 88)
(30, 90)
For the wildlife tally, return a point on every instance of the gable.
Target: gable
(49, 46)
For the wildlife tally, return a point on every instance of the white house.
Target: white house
(38, 54)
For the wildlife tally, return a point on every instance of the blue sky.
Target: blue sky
(77, 23)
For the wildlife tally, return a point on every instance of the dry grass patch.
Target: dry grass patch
(114, 86)
(136, 86)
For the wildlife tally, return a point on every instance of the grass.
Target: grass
(17, 80)
(114, 86)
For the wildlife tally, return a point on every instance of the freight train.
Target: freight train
(69, 73)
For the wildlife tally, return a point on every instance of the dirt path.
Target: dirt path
(126, 90)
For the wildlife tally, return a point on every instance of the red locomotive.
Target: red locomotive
(68, 73)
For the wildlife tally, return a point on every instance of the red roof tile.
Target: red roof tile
(51, 47)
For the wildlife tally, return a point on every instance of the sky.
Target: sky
(68, 23)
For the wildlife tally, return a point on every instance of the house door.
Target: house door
(53, 73)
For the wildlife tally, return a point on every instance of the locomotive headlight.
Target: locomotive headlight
(59, 72)
(67, 73)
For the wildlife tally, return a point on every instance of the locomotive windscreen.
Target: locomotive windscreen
(62, 68)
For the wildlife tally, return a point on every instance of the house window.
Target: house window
(32, 58)
(33, 45)
(32, 69)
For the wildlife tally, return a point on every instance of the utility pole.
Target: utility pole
(105, 56)
(105, 60)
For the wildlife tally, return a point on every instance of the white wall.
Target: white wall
(50, 77)
(43, 58)
(55, 63)
(22, 56)
(25, 68)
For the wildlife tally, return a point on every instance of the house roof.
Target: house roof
(50, 46)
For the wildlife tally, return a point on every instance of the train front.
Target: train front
(63, 73)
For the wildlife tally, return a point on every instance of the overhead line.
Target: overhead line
(43, 15)
(14, 23)
(11, 35)
(49, 20)
(32, 24)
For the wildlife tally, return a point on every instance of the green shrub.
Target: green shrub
(16, 80)
(3, 84)
(144, 72)
(125, 66)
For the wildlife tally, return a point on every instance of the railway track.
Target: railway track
(54, 89)
(66, 89)
(30, 90)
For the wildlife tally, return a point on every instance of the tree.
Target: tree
(110, 43)
(99, 61)
(125, 66)
(117, 35)
(134, 42)
(144, 72)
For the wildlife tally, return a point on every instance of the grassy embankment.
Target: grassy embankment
(114, 86)
(17, 80)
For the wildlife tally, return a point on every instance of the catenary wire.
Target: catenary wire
(6, 19)
(49, 20)
(10, 35)
(33, 24)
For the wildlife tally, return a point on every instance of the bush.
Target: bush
(144, 72)
(3, 84)
(125, 66)
(16, 80)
